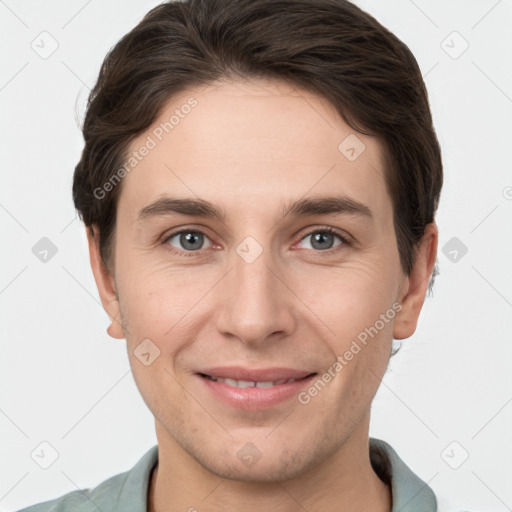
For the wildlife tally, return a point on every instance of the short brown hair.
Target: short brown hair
(329, 47)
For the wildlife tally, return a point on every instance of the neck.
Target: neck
(345, 481)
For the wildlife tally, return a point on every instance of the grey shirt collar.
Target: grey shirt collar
(409, 492)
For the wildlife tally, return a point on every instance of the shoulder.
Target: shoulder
(409, 492)
(125, 491)
(83, 500)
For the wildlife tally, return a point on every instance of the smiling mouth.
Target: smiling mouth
(252, 384)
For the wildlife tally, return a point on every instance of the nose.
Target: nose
(254, 304)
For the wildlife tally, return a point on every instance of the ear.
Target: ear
(105, 284)
(416, 285)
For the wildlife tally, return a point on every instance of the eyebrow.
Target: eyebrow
(302, 208)
(326, 205)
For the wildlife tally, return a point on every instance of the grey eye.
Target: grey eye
(189, 240)
(322, 240)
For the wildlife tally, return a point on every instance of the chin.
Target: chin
(269, 465)
(259, 473)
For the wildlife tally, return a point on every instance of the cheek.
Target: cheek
(356, 309)
(360, 347)
(351, 298)
(163, 304)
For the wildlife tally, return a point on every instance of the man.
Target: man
(226, 142)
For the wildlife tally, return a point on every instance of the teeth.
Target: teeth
(241, 383)
(231, 382)
(249, 383)
(264, 384)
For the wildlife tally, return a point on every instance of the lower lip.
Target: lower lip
(253, 399)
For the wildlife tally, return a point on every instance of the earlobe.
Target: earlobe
(115, 330)
(105, 284)
(417, 284)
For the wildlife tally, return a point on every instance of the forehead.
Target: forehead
(260, 141)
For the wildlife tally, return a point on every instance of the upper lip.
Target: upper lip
(255, 375)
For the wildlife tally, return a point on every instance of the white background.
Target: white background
(65, 381)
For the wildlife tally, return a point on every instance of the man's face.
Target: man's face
(257, 289)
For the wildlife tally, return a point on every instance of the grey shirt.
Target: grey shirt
(128, 491)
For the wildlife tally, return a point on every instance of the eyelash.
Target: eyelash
(327, 229)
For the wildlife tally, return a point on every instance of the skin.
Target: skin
(252, 148)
